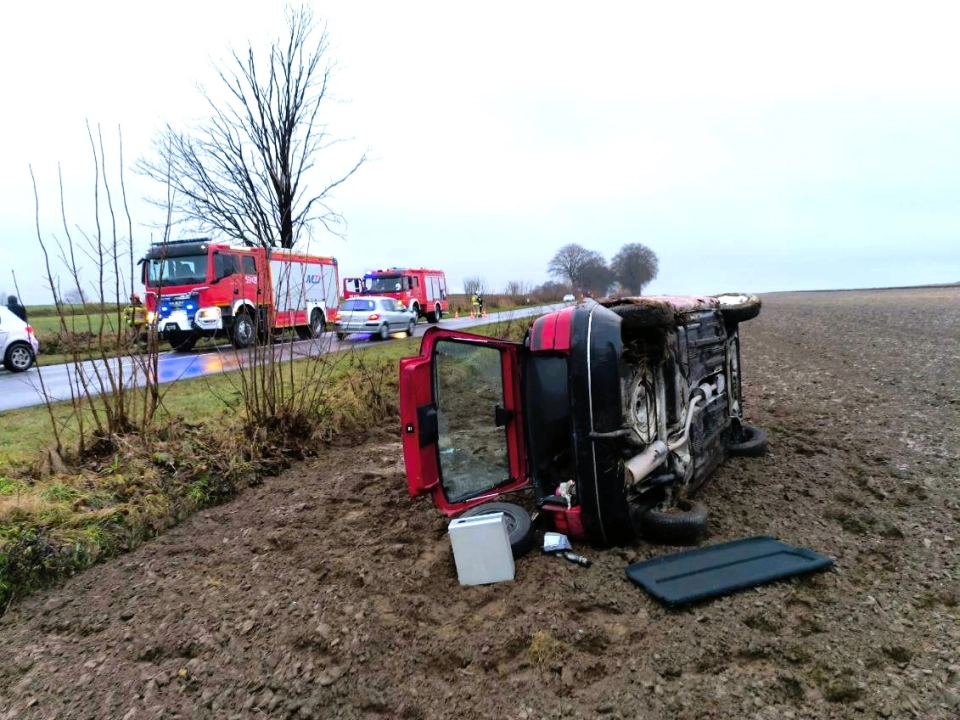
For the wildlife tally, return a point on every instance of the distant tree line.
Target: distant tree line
(585, 272)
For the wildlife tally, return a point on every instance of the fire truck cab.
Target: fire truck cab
(420, 290)
(199, 288)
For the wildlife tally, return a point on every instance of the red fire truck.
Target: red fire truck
(199, 288)
(422, 291)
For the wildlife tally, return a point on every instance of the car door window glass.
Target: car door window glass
(469, 389)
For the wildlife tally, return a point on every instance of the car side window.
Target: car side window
(469, 390)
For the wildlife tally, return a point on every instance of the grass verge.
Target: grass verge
(56, 521)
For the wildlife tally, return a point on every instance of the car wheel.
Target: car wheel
(519, 524)
(682, 523)
(243, 331)
(341, 335)
(18, 358)
(384, 333)
(738, 308)
(411, 328)
(431, 318)
(748, 441)
(438, 312)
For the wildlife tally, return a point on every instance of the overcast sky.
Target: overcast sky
(753, 146)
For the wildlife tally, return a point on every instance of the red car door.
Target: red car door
(462, 420)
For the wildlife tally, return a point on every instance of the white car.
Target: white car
(18, 344)
(569, 298)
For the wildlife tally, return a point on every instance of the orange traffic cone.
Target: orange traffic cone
(456, 314)
(471, 315)
(484, 314)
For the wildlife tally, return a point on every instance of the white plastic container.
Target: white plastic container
(481, 549)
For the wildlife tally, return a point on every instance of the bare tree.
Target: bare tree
(243, 171)
(634, 266)
(517, 288)
(572, 261)
(472, 284)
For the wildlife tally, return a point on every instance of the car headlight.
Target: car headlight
(209, 313)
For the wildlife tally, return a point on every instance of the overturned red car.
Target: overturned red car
(613, 412)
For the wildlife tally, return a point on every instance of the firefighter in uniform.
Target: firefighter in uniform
(136, 317)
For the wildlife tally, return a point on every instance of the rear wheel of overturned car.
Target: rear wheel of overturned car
(748, 441)
(18, 358)
(519, 524)
(244, 331)
(681, 523)
(738, 308)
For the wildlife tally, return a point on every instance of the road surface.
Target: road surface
(54, 381)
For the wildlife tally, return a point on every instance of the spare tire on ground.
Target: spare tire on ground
(682, 523)
(519, 524)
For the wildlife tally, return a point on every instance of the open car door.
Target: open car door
(462, 420)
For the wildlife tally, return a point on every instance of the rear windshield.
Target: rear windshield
(357, 304)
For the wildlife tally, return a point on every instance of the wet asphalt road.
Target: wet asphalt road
(55, 381)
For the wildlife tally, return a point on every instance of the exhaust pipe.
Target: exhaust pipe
(639, 466)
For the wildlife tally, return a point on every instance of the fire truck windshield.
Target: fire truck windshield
(182, 270)
(381, 284)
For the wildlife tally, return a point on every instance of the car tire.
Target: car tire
(341, 335)
(244, 331)
(683, 523)
(18, 358)
(438, 312)
(384, 333)
(641, 317)
(748, 441)
(411, 328)
(519, 524)
(739, 308)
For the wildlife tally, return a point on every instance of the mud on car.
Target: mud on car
(614, 413)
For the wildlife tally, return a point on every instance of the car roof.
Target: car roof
(8, 315)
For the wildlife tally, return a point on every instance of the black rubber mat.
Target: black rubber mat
(709, 572)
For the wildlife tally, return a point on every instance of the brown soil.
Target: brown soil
(327, 592)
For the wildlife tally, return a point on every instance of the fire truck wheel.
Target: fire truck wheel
(519, 524)
(182, 342)
(243, 331)
(416, 309)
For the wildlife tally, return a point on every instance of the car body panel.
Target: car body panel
(461, 415)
